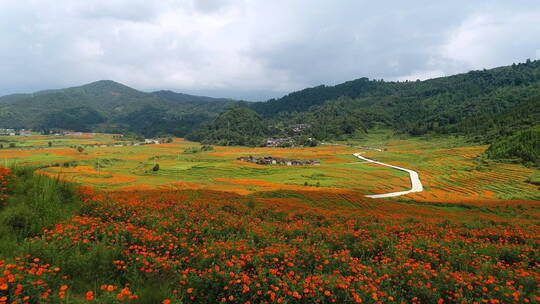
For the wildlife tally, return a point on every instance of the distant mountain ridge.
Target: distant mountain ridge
(483, 105)
(106, 105)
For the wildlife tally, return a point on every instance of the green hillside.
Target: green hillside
(524, 147)
(484, 105)
(236, 126)
(109, 106)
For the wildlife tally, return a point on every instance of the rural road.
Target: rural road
(415, 180)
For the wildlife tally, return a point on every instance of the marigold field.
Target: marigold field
(182, 236)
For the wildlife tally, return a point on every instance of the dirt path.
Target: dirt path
(416, 184)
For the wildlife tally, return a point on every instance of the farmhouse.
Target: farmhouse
(269, 160)
(152, 141)
(279, 142)
(298, 128)
(7, 132)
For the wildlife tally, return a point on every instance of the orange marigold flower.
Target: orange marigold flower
(166, 301)
(327, 293)
(90, 296)
(3, 286)
(189, 290)
(64, 287)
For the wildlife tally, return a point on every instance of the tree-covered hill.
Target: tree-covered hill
(484, 104)
(181, 97)
(236, 126)
(523, 147)
(109, 106)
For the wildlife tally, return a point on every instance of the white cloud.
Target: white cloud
(422, 75)
(85, 48)
(268, 47)
(499, 38)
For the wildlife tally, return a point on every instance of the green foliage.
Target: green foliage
(203, 148)
(484, 104)
(80, 118)
(155, 168)
(35, 202)
(236, 126)
(534, 178)
(109, 106)
(524, 147)
(340, 119)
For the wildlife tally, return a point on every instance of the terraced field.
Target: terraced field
(450, 172)
(203, 227)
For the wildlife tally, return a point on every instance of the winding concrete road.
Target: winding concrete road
(416, 184)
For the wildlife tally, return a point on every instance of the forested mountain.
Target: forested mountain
(483, 105)
(524, 147)
(109, 106)
(181, 97)
(236, 126)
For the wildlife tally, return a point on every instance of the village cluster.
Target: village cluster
(269, 160)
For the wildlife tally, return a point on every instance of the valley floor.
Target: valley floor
(206, 228)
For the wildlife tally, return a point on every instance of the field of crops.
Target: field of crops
(206, 228)
(450, 172)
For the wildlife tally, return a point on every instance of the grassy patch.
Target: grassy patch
(36, 202)
(534, 178)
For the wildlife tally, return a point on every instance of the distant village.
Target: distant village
(269, 160)
(122, 141)
(290, 141)
(13, 132)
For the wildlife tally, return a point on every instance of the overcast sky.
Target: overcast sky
(255, 49)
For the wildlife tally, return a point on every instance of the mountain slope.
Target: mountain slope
(506, 99)
(181, 97)
(109, 106)
(523, 147)
(458, 89)
(484, 105)
(236, 126)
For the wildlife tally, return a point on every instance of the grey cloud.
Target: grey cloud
(255, 49)
(211, 6)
